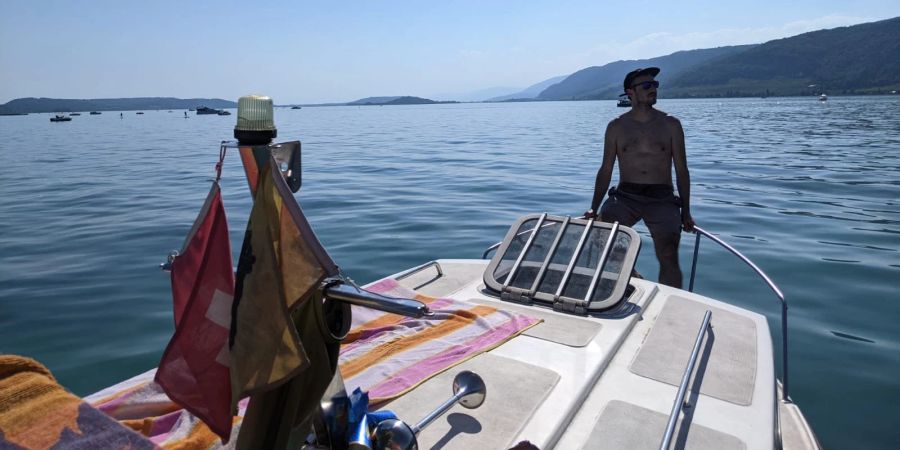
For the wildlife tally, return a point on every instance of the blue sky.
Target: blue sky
(335, 51)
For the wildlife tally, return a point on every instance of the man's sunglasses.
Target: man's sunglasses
(646, 84)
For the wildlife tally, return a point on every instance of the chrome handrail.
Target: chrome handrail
(409, 272)
(489, 249)
(420, 268)
(784, 308)
(682, 388)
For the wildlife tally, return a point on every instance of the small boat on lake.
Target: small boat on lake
(823, 98)
(75, 114)
(95, 113)
(60, 118)
(624, 101)
(204, 110)
(222, 112)
(139, 112)
(296, 107)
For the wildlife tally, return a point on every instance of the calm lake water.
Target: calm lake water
(809, 190)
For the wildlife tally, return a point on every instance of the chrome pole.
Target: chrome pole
(356, 296)
(694, 263)
(682, 388)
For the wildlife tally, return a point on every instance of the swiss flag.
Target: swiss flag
(194, 370)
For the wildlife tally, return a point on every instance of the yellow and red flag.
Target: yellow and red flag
(281, 264)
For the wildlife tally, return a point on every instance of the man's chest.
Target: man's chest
(651, 142)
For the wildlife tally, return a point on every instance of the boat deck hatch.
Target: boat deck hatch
(577, 265)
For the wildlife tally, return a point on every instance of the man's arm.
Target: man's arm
(683, 177)
(604, 174)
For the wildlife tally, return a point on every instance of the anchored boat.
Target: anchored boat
(201, 110)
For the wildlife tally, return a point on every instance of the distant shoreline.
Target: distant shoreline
(536, 100)
(34, 105)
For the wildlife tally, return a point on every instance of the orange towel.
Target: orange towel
(37, 413)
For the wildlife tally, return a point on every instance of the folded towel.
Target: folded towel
(38, 413)
(389, 355)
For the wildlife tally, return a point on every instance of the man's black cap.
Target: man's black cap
(629, 79)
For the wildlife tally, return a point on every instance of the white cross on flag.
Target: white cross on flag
(194, 370)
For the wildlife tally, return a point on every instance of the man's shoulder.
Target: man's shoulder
(668, 119)
(664, 115)
(618, 120)
(616, 123)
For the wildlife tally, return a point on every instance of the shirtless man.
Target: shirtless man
(646, 142)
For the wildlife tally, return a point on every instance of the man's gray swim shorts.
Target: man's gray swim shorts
(656, 204)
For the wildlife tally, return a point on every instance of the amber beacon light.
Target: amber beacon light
(255, 123)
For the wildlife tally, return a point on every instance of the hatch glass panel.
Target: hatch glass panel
(555, 259)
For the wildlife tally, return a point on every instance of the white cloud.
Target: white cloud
(466, 54)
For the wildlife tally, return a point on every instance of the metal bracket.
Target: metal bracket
(167, 266)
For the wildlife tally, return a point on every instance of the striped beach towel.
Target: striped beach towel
(385, 354)
(141, 404)
(389, 355)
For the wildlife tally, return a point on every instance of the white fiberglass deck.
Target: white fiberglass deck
(613, 384)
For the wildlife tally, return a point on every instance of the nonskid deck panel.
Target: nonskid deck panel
(593, 376)
(495, 424)
(727, 364)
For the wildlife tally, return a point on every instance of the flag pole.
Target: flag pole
(282, 417)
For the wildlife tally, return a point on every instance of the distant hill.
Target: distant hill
(605, 82)
(42, 105)
(530, 92)
(404, 100)
(858, 59)
(478, 95)
(373, 100)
